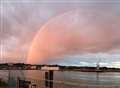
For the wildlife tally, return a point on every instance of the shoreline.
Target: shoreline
(59, 70)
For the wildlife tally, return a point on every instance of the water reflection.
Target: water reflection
(77, 77)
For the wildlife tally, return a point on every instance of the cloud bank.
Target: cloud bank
(76, 32)
(21, 19)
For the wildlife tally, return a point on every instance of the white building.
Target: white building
(50, 68)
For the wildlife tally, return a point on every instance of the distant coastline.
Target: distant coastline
(22, 66)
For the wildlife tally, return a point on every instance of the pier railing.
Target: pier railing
(61, 84)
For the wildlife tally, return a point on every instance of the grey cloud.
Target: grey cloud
(90, 59)
(22, 19)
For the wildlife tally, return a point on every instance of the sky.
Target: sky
(73, 32)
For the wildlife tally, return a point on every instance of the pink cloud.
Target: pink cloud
(76, 32)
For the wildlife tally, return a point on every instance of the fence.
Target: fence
(49, 82)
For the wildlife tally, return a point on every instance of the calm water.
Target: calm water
(111, 78)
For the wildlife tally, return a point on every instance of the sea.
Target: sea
(68, 77)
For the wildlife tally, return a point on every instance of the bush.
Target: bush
(3, 83)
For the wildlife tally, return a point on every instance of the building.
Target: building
(50, 68)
